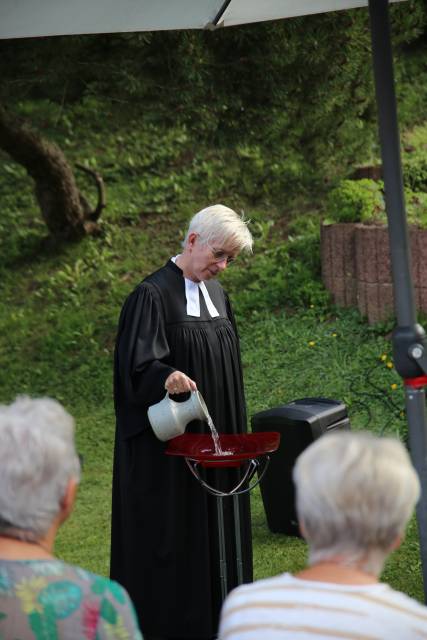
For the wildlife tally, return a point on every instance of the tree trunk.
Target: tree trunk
(66, 212)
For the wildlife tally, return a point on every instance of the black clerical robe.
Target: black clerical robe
(164, 547)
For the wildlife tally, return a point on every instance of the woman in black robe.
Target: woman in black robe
(177, 332)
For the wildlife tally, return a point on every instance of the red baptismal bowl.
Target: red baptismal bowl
(235, 448)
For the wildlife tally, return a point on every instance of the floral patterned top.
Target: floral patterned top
(51, 600)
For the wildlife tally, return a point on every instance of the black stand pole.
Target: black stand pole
(416, 412)
(222, 551)
(409, 339)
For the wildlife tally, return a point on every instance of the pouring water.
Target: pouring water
(215, 436)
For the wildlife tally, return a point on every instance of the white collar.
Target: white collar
(193, 299)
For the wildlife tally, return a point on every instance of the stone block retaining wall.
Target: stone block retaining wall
(356, 268)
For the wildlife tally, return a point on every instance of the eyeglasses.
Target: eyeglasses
(219, 255)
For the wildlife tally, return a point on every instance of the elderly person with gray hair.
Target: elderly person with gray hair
(42, 598)
(177, 333)
(355, 494)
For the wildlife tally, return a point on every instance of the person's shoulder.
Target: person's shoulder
(87, 581)
(106, 606)
(90, 582)
(88, 578)
(160, 282)
(115, 607)
(243, 603)
(405, 602)
(148, 288)
(253, 590)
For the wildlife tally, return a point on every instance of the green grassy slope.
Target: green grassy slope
(59, 307)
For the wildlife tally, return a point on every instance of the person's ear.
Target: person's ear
(192, 237)
(68, 499)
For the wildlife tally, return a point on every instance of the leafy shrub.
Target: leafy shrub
(416, 208)
(415, 170)
(414, 158)
(356, 201)
(363, 201)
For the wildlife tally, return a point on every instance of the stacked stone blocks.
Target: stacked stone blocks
(356, 268)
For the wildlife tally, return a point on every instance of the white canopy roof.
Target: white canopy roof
(32, 18)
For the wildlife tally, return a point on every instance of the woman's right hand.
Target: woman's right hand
(178, 382)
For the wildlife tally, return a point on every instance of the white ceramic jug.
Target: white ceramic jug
(169, 418)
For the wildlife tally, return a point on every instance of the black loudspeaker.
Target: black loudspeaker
(299, 423)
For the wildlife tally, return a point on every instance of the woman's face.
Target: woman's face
(206, 261)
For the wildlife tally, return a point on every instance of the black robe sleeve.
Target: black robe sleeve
(230, 313)
(141, 359)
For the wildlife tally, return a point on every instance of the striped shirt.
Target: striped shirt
(286, 607)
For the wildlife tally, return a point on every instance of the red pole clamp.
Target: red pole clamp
(416, 383)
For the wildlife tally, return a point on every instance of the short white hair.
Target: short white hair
(221, 226)
(355, 493)
(37, 460)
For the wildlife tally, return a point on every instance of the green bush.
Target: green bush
(416, 208)
(356, 201)
(363, 201)
(414, 158)
(415, 170)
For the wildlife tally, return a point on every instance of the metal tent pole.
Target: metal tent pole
(409, 339)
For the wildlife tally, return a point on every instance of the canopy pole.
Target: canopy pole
(392, 172)
(215, 23)
(409, 339)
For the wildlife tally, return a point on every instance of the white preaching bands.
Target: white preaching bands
(192, 297)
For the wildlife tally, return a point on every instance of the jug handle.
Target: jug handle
(168, 394)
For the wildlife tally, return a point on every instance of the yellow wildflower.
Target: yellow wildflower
(383, 357)
(389, 365)
(393, 386)
(311, 343)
